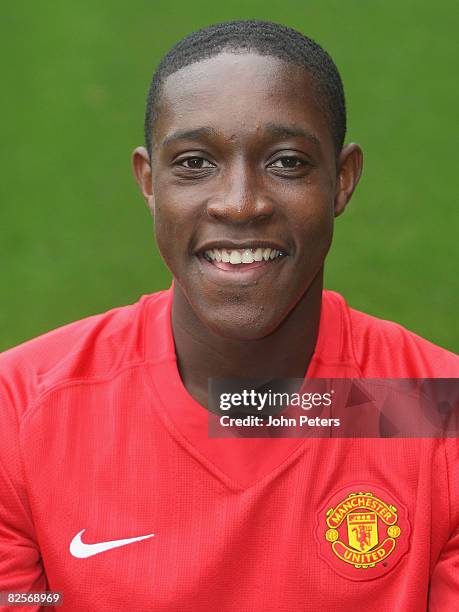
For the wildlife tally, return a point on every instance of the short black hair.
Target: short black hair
(263, 38)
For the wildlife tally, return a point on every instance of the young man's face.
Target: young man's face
(243, 167)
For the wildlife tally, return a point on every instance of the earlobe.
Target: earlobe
(141, 168)
(350, 168)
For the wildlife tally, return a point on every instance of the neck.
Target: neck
(285, 353)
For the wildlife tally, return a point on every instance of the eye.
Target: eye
(287, 162)
(195, 163)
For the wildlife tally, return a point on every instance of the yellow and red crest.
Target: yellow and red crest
(362, 532)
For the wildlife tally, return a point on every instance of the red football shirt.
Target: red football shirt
(101, 442)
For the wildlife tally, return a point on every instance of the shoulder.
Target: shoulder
(93, 348)
(383, 348)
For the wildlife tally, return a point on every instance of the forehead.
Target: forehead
(237, 94)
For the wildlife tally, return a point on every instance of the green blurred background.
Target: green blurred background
(76, 236)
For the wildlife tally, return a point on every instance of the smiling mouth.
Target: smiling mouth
(232, 260)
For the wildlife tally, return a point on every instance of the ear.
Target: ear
(142, 171)
(350, 165)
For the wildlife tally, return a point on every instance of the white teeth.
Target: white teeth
(235, 257)
(245, 256)
(258, 255)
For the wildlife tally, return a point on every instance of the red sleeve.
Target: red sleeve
(383, 349)
(20, 562)
(444, 584)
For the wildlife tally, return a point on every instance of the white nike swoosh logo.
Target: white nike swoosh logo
(81, 550)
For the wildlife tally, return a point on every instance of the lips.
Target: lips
(226, 274)
(239, 260)
(239, 245)
(245, 256)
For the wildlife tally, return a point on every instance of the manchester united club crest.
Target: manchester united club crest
(363, 532)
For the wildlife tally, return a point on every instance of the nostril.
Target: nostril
(238, 212)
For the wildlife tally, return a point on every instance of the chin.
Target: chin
(245, 324)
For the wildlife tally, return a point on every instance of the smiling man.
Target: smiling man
(112, 491)
(244, 182)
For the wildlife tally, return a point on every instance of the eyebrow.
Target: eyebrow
(286, 131)
(274, 129)
(189, 134)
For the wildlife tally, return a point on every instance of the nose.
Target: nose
(240, 200)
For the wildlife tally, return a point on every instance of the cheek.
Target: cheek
(167, 233)
(313, 227)
(174, 221)
(320, 232)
